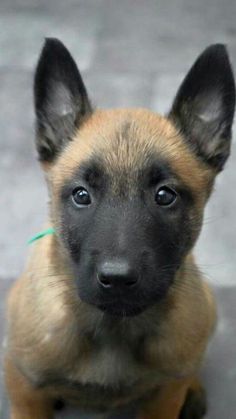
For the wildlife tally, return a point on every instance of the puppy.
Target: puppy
(111, 310)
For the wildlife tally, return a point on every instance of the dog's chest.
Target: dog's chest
(111, 364)
(103, 369)
(111, 375)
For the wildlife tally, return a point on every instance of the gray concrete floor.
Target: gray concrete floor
(131, 53)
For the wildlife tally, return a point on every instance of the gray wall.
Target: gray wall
(131, 53)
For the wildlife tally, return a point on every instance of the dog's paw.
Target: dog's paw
(195, 405)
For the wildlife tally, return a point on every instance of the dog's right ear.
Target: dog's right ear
(60, 97)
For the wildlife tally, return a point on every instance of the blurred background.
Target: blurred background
(130, 53)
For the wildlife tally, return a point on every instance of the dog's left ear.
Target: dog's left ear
(203, 109)
(61, 100)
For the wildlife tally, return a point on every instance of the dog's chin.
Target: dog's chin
(122, 310)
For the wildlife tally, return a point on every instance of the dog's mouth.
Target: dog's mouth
(122, 310)
(129, 304)
(124, 301)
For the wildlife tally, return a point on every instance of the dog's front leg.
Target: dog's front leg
(26, 402)
(172, 402)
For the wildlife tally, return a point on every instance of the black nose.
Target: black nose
(116, 274)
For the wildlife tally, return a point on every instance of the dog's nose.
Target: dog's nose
(116, 274)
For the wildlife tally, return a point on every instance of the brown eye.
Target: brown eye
(81, 197)
(165, 196)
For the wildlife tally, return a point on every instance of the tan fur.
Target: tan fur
(147, 131)
(47, 321)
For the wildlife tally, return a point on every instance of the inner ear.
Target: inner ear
(203, 109)
(61, 100)
(208, 107)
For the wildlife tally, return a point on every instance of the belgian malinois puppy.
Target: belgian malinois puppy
(111, 310)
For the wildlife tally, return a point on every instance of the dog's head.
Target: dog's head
(128, 187)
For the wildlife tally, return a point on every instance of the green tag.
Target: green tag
(41, 234)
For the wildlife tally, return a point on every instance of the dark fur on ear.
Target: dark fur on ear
(203, 109)
(61, 100)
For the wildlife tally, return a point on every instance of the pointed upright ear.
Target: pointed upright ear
(203, 108)
(60, 97)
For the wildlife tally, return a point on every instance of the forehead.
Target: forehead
(126, 142)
